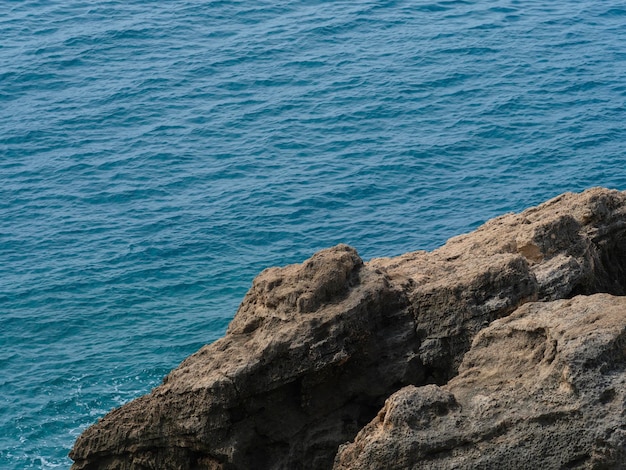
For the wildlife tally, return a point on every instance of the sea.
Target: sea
(155, 156)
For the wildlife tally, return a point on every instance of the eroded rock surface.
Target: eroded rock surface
(315, 349)
(299, 371)
(542, 388)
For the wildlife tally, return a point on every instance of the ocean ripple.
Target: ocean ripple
(155, 156)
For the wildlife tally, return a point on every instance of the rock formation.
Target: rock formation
(337, 350)
(542, 388)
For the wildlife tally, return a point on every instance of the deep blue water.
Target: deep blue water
(155, 156)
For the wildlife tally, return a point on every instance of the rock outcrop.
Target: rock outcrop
(317, 351)
(542, 388)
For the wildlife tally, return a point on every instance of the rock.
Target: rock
(543, 388)
(572, 244)
(315, 349)
(297, 373)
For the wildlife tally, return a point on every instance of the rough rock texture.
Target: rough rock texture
(542, 388)
(315, 350)
(297, 373)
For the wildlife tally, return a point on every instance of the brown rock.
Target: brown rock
(572, 244)
(543, 388)
(315, 349)
(297, 373)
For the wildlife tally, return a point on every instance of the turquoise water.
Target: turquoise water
(155, 156)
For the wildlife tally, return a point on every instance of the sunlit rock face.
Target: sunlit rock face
(542, 388)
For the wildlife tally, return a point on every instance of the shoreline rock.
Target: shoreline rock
(544, 387)
(317, 349)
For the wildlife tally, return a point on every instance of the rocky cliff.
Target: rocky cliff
(464, 357)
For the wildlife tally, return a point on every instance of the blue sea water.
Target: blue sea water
(156, 155)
